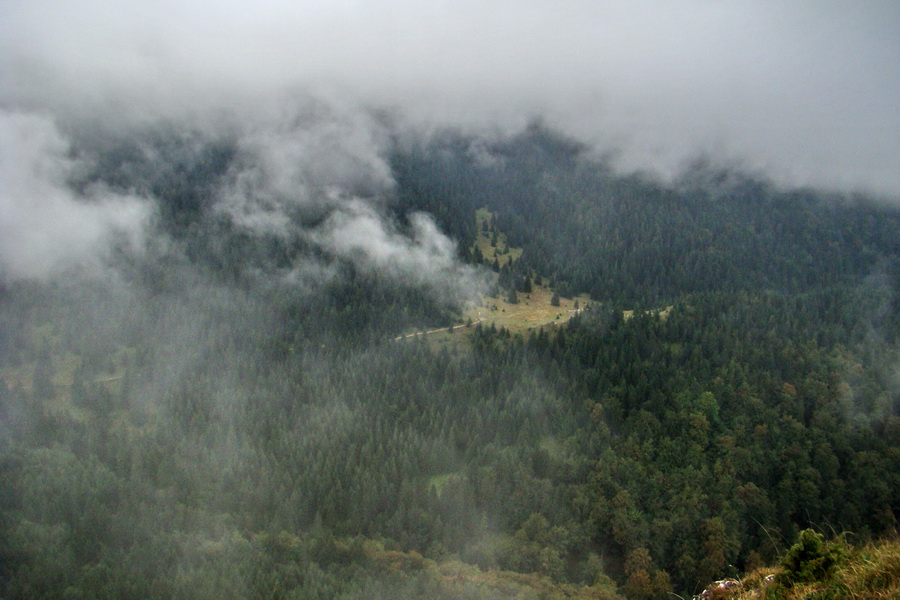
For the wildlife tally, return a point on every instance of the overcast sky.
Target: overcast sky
(807, 90)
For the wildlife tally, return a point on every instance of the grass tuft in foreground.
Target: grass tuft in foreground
(816, 569)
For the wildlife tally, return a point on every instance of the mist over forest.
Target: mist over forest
(336, 326)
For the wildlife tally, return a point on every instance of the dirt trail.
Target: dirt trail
(455, 327)
(572, 312)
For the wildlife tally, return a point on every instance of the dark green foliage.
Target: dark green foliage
(632, 239)
(811, 559)
(477, 256)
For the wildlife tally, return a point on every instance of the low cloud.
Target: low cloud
(424, 256)
(314, 169)
(299, 158)
(306, 169)
(806, 94)
(806, 91)
(46, 227)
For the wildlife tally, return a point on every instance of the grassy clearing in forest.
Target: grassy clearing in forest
(63, 367)
(491, 242)
(533, 310)
(662, 313)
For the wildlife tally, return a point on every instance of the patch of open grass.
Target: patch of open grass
(872, 572)
(533, 310)
(530, 312)
(493, 243)
(663, 313)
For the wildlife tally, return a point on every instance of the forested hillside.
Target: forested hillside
(628, 238)
(225, 412)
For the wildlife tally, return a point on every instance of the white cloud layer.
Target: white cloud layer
(423, 257)
(303, 154)
(313, 168)
(807, 90)
(45, 227)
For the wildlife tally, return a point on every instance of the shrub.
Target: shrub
(811, 559)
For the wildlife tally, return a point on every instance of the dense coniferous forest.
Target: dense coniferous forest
(227, 413)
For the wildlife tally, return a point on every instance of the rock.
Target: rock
(718, 589)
